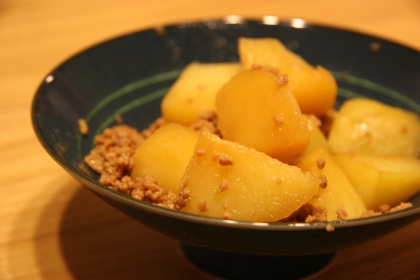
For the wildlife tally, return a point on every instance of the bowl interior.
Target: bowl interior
(129, 75)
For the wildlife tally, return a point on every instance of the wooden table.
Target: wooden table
(52, 228)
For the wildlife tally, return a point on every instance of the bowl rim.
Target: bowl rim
(95, 186)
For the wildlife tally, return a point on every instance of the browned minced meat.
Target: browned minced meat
(374, 47)
(147, 188)
(225, 159)
(207, 121)
(308, 214)
(320, 163)
(278, 120)
(183, 194)
(341, 214)
(323, 183)
(112, 158)
(327, 120)
(311, 214)
(202, 206)
(113, 151)
(83, 126)
(282, 80)
(227, 216)
(385, 208)
(223, 186)
(319, 214)
(329, 228)
(370, 213)
(401, 206)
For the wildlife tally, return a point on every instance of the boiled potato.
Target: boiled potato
(227, 180)
(195, 91)
(314, 87)
(256, 110)
(368, 127)
(382, 179)
(338, 192)
(165, 155)
(317, 137)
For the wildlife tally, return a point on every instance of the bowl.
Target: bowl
(129, 75)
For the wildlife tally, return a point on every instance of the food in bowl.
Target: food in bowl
(216, 150)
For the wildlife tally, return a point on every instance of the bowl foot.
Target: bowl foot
(241, 266)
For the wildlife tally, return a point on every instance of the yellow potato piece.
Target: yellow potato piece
(314, 87)
(317, 137)
(382, 179)
(339, 194)
(165, 155)
(195, 91)
(369, 127)
(256, 110)
(231, 181)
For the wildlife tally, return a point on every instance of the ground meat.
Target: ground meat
(183, 195)
(202, 206)
(83, 127)
(278, 120)
(308, 214)
(119, 119)
(207, 121)
(341, 214)
(112, 158)
(370, 213)
(200, 153)
(223, 186)
(320, 163)
(225, 160)
(374, 47)
(329, 228)
(147, 188)
(113, 151)
(327, 120)
(301, 214)
(401, 206)
(203, 125)
(227, 216)
(323, 183)
(282, 80)
(319, 215)
(385, 208)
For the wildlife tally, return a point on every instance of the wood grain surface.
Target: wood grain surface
(52, 228)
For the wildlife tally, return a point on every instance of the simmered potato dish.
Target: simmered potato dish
(244, 141)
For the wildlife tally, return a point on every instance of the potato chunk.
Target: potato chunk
(257, 110)
(227, 180)
(317, 138)
(338, 193)
(195, 91)
(165, 155)
(382, 179)
(368, 127)
(314, 87)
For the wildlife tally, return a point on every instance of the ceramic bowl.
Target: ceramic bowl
(130, 74)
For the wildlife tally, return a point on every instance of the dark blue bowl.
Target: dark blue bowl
(129, 75)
